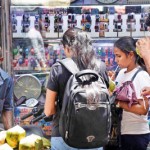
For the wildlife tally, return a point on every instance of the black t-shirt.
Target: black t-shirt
(58, 78)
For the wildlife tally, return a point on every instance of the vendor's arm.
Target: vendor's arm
(50, 103)
(7, 118)
(141, 108)
(8, 106)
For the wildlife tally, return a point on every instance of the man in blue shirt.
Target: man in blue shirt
(6, 98)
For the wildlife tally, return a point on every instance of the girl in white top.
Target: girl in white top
(134, 124)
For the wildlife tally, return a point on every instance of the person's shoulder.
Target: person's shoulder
(143, 78)
(140, 71)
(56, 65)
(4, 74)
(143, 73)
(58, 68)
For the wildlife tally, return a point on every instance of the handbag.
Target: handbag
(126, 92)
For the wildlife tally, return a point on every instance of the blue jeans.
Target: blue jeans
(57, 143)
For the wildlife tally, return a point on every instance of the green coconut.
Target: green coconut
(31, 142)
(5, 147)
(2, 137)
(46, 143)
(14, 135)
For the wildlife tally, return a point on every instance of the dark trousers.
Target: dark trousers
(135, 142)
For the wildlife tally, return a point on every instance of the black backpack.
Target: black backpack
(85, 117)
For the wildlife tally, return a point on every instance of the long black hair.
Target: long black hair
(127, 44)
(81, 45)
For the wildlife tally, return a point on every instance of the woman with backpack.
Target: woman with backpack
(77, 46)
(134, 125)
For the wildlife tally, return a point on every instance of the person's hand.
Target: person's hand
(143, 46)
(145, 91)
(117, 103)
(111, 74)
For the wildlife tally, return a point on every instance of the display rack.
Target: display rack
(36, 30)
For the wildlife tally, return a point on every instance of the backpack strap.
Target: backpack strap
(140, 69)
(69, 64)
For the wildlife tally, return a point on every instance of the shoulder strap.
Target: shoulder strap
(140, 69)
(69, 64)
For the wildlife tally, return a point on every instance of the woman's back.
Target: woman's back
(78, 46)
(59, 76)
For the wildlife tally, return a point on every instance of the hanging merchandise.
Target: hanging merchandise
(104, 52)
